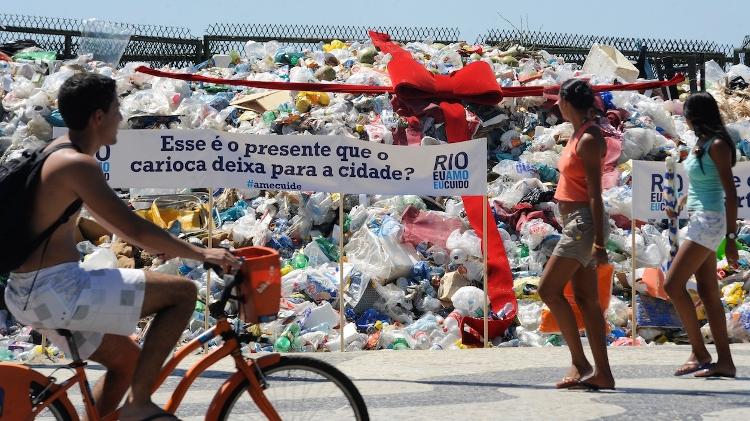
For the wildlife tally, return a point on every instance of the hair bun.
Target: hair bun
(578, 92)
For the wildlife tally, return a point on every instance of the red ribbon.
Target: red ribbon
(508, 92)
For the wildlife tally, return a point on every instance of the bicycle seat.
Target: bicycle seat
(68, 335)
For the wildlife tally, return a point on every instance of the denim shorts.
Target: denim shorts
(707, 228)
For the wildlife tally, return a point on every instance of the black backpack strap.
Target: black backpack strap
(59, 146)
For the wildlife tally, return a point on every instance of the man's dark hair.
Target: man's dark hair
(81, 95)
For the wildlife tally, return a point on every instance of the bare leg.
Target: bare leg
(557, 273)
(119, 354)
(689, 259)
(172, 299)
(586, 289)
(708, 290)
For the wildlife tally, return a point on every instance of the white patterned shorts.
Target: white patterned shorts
(88, 303)
(707, 228)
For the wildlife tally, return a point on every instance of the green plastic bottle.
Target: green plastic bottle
(721, 251)
(6, 355)
(269, 117)
(400, 344)
(288, 338)
(329, 249)
(299, 261)
(523, 251)
(283, 344)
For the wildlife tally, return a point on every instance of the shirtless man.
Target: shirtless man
(102, 307)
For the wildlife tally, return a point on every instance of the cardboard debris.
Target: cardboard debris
(261, 102)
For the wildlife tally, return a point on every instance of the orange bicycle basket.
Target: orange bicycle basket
(260, 289)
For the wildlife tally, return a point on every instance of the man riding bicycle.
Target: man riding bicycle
(101, 307)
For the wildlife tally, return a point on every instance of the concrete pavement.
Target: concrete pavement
(514, 383)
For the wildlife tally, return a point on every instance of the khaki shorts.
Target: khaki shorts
(577, 240)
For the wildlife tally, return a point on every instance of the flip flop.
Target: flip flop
(567, 382)
(584, 385)
(708, 373)
(689, 368)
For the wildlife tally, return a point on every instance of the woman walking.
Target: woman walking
(712, 206)
(584, 236)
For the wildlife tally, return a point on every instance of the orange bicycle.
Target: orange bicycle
(270, 386)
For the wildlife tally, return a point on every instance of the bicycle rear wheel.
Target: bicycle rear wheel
(300, 388)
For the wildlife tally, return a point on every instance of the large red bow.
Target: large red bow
(473, 83)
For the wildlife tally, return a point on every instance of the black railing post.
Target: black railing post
(68, 49)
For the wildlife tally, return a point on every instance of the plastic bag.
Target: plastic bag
(740, 70)
(381, 256)
(320, 284)
(510, 197)
(530, 314)
(469, 301)
(617, 313)
(105, 41)
(466, 241)
(657, 111)
(618, 201)
(535, 231)
(101, 258)
(637, 143)
(514, 170)
(432, 226)
(714, 74)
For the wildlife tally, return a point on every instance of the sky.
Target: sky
(723, 21)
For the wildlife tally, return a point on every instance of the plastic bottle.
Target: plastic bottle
(6, 355)
(400, 344)
(453, 320)
(299, 261)
(507, 308)
(286, 341)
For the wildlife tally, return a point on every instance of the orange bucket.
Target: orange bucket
(260, 290)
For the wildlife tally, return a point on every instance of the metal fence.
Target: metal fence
(221, 38)
(177, 46)
(575, 47)
(157, 45)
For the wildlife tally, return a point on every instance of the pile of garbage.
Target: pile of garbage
(412, 265)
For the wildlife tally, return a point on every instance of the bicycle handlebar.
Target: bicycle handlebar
(216, 309)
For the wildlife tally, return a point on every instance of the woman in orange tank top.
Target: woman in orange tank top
(581, 246)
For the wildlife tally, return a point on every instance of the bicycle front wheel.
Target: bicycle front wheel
(300, 388)
(56, 411)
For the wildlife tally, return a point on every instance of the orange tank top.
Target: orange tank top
(572, 184)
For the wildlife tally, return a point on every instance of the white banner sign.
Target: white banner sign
(649, 185)
(210, 158)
